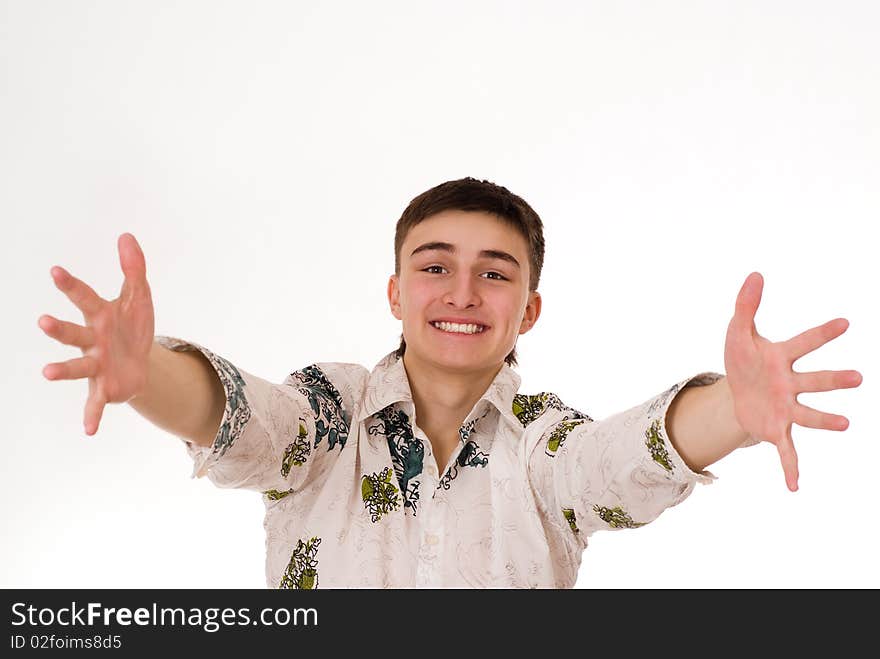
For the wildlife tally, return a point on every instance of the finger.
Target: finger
(807, 417)
(788, 456)
(131, 259)
(747, 302)
(79, 292)
(815, 337)
(70, 334)
(94, 410)
(72, 369)
(826, 380)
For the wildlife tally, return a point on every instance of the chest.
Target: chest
(378, 521)
(384, 515)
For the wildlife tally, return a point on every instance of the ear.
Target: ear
(532, 312)
(394, 296)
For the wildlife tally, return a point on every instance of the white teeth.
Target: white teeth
(456, 327)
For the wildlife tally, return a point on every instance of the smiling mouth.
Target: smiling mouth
(456, 329)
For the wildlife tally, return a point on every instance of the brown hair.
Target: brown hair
(469, 194)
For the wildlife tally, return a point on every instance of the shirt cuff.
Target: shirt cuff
(661, 447)
(236, 411)
(661, 406)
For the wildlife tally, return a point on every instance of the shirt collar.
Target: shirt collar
(388, 384)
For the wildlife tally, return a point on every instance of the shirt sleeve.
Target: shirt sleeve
(618, 473)
(265, 440)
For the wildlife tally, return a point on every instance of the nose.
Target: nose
(462, 292)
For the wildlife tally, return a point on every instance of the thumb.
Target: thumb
(747, 302)
(134, 285)
(131, 259)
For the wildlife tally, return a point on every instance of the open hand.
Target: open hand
(115, 340)
(764, 386)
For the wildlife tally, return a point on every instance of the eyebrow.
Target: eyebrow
(449, 247)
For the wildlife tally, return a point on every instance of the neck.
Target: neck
(442, 397)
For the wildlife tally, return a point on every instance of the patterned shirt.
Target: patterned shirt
(354, 496)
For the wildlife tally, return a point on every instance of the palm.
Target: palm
(115, 339)
(124, 334)
(765, 387)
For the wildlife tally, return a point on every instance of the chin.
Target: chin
(462, 359)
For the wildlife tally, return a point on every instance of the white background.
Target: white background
(261, 152)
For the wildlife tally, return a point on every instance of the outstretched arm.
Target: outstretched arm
(702, 426)
(182, 395)
(758, 398)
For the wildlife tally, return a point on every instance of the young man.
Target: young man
(433, 470)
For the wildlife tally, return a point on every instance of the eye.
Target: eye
(497, 275)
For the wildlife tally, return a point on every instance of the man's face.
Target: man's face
(468, 280)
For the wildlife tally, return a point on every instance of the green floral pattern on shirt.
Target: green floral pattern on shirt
(560, 432)
(569, 515)
(275, 495)
(296, 453)
(302, 570)
(528, 408)
(616, 518)
(656, 445)
(379, 494)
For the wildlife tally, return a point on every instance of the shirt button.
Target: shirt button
(431, 539)
(432, 470)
